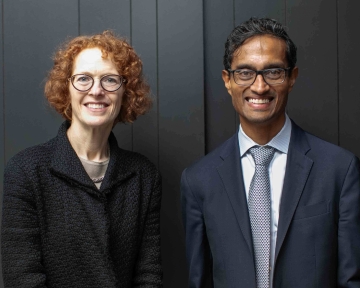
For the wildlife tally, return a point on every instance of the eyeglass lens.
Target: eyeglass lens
(83, 82)
(271, 76)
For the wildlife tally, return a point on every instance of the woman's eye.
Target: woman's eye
(83, 79)
(111, 80)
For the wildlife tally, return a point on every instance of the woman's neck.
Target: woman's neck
(90, 143)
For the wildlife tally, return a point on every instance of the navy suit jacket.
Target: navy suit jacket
(318, 240)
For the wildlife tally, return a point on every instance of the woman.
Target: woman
(78, 211)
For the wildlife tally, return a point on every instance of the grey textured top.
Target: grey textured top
(95, 170)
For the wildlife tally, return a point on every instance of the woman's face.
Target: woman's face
(96, 107)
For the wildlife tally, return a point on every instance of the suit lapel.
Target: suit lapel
(231, 174)
(297, 172)
(298, 168)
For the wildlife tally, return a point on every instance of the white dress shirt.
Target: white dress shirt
(276, 173)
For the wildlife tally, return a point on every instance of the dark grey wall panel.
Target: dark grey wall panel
(97, 16)
(221, 117)
(349, 61)
(144, 40)
(262, 8)
(31, 34)
(2, 152)
(181, 118)
(313, 104)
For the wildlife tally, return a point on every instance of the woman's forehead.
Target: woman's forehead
(92, 59)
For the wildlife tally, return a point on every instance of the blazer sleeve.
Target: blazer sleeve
(20, 232)
(148, 272)
(198, 253)
(349, 229)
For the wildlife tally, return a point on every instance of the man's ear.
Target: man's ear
(226, 77)
(293, 76)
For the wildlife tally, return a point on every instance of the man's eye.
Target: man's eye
(244, 73)
(274, 72)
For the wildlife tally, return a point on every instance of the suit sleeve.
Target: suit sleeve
(197, 247)
(349, 229)
(20, 239)
(148, 272)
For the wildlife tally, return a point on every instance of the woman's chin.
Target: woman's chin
(94, 123)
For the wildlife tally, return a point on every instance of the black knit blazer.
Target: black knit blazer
(59, 230)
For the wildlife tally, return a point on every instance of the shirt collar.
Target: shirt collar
(280, 142)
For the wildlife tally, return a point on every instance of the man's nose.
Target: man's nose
(260, 86)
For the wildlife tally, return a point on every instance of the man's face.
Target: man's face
(260, 103)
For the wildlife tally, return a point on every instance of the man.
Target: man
(273, 206)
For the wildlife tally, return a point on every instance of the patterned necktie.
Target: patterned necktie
(259, 204)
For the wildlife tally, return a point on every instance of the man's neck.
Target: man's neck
(262, 133)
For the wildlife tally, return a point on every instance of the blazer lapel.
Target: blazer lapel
(231, 174)
(297, 172)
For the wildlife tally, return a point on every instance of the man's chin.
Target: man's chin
(259, 118)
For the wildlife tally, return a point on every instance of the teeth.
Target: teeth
(96, 106)
(259, 101)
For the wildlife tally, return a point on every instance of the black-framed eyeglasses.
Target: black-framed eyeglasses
(247, 77)
(83, 82)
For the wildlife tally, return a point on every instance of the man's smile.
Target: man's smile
(258, 101)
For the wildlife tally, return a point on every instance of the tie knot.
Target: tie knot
(262, 154)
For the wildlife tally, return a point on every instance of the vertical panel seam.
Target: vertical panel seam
(204, 76)
(79, 17)
(157, 81)
(234, 12)
(286, 22)
(3, 70)
(131, 28)
(337, 69)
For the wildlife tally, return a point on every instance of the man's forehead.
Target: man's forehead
(261, 48)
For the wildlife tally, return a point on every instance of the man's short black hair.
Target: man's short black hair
(255, 27)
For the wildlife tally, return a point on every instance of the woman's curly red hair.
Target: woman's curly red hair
(136, 100)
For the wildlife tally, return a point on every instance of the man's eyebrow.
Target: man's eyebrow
(275, 65)
(267, 66)
(244, 66)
